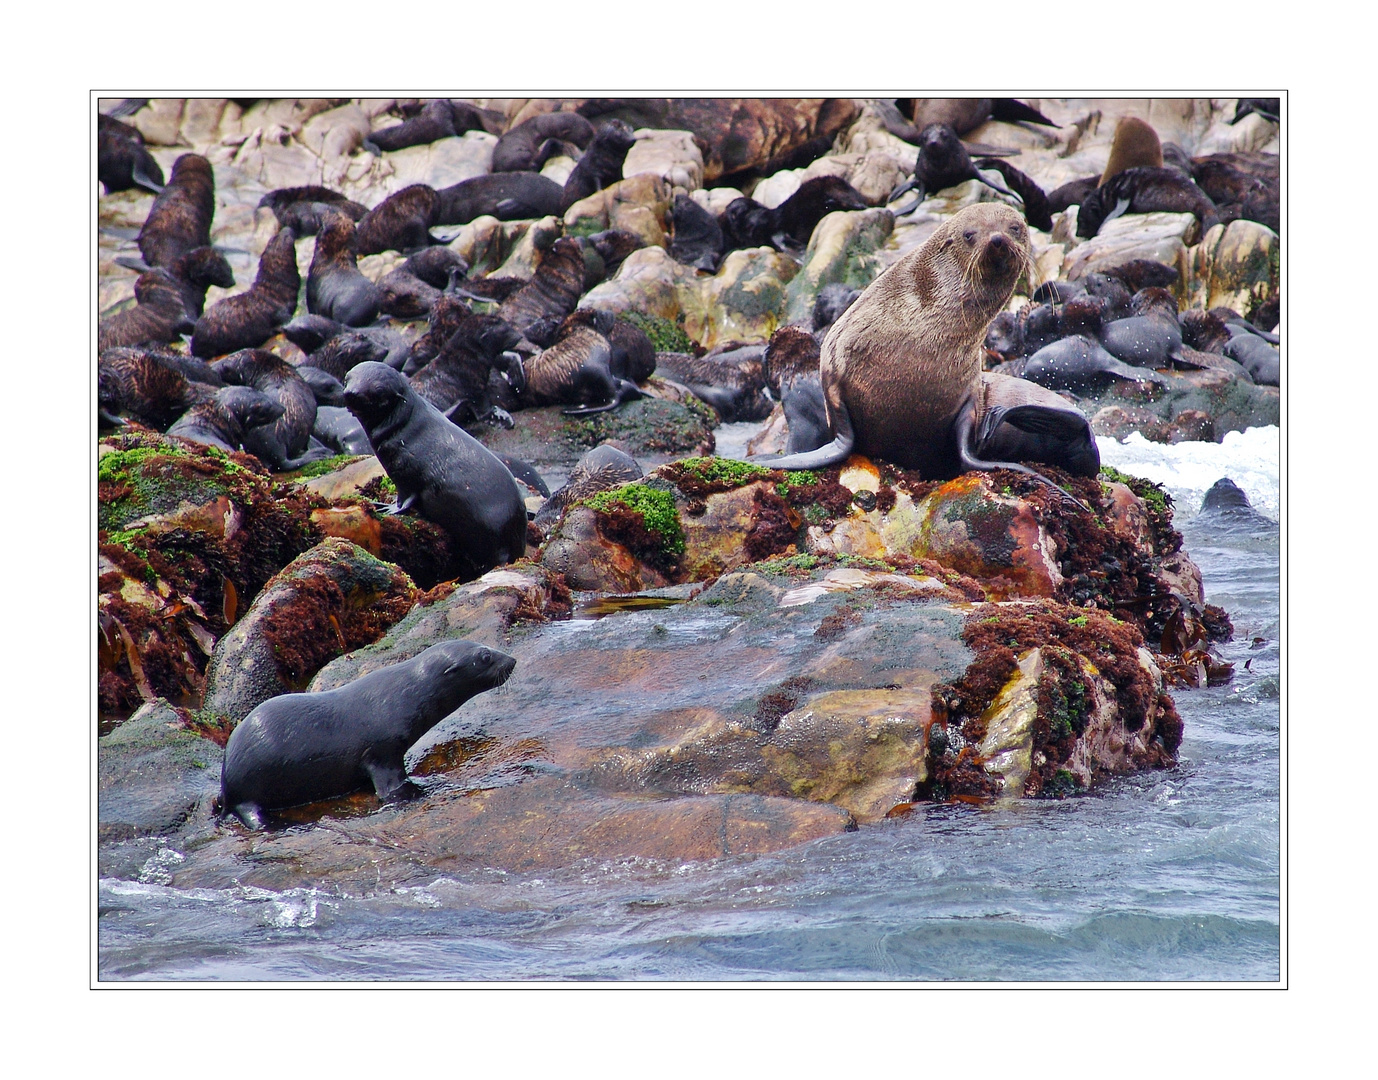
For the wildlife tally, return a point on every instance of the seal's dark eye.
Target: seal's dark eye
(969, 236)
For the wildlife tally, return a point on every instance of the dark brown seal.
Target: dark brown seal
(942, 162)
(525, 147)
(1145, 191)
(577, 369)
(401, 222)
(730, 379)
(153, 386)
(901, 369)
(334, 286)
(601, 163)
(283, 444)
(223, 420)
(158, 317)
(438, 119)
(122, 160)
(180, 218)
(296, 209)
(299, 748)
(248, 320)
(506, 196)
(554, 289)
(456, 381)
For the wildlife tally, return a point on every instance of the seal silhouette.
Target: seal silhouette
(301, 748)
(901, 369)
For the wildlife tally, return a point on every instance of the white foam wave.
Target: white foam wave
(1188, 469)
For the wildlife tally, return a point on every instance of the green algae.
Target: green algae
(655, 508)
(665, 335)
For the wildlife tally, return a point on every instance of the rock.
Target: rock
(347, 479)
(1191, 425)
(159, 122)
(874, 174)
(964, 525)
(716, 200)
(335, 134)
(842, 249)
(772, 190)
(152, 774)
(744, 301)
(673, 156)
(528, 251)
(1234, 266)
(439, 164)
(479, 611)
(1229, 402)
(1007, 749)
(1160, 237)
(589, 560)
(486, 243)
(1119, 422)
(327, 601)
(639, 205)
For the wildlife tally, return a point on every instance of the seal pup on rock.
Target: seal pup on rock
(223, 420)
(296, 209)
(401, 222)
(301, 748)
(249, 319)
(506, 196)
(942, 162)
(901, 369)
(438, 119)
(122, 160)
(456, 381)
(791, 371)
(696, 237)
(180, 218)
(334, 286)
(440, 470)
(159, 316)
(282, 445)
(577, 369)
(730, 379)
(526, 147)
(600, 165)
(605, 466)
(153, 386)
(1145, 191)
(554, 289)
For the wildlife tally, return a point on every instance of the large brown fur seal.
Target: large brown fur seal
(180, 218)
(247, 320)
(901, 369)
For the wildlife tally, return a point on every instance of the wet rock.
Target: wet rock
(671, 155)
(481, 611)
(1159, 237)
(349, 478)
(842, 249)
(638, 205)
(1119, 422)
(1234, 266)
(590, 560)
(330, 600)
(152, 774)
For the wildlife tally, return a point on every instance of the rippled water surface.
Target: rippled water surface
(1162, 876)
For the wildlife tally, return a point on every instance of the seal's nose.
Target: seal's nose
(998, 242)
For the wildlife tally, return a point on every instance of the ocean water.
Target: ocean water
(1163, 876)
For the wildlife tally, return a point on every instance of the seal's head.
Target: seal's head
(249, 406)
(972, 261)
(373, 392)
(465, 664)
(616, 134)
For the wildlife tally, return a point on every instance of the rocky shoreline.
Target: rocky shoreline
(716, 658)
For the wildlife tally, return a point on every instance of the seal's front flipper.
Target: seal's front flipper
(836, 452)
(1120, 208)
(250, 814)
(390, 780)
(965, 430)
(132, 262)
(997, 187)
(626, 391)
(402, 505)
(144, 180)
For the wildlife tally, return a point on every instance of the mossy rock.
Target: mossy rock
(665, 335)
(143, 473)
(648, 426)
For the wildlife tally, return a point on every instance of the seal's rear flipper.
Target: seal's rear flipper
(626, 391)
(1035, 419)
(143, 180)
(1011, 111)
(966, 432)
(836, 452)
(132, 262)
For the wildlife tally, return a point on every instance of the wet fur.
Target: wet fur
(249, 319)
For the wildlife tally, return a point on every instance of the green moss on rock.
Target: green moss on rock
(665, 335)
(656, 510)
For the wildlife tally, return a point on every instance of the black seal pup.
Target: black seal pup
(1145, 191)
(1151, 339)
(122, 160)
(282, 445)
(447, 315)
(401, 222)
(248, 320)
(506, 196)
(942, 162)
(339, 429)
(345, 351)
(815, 199)
(1059, 433)
(832, 300)
(180, 218)
(334, 286)
(901, 369)
(696, 237)
(528, 146)
(296, 208)
(1260, 359)
(730, 378)
(438, 119)
(601, 164)
(605, 466)
(1079, 363)
(301, 748)
(223, 420)
(440, 470)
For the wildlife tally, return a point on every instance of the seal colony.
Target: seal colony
(406, 344)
